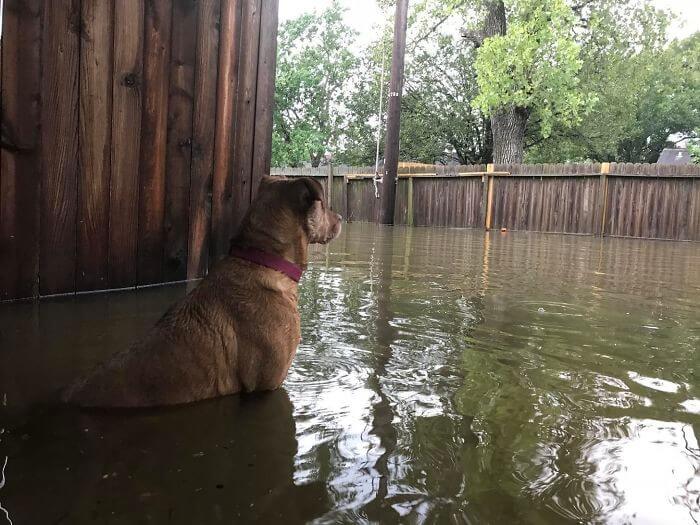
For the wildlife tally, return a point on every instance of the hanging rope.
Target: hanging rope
(377, 179)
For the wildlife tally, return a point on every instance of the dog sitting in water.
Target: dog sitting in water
(238, 330)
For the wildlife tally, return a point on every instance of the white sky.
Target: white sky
(364, 15)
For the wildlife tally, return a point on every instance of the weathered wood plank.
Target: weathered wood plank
(222, 189)
(203, 137)
(126, 141)
(96, 60)
(265, 93)
(60, 59)
(179, 143)
(245, 110)
(154, 125)
(20, 166)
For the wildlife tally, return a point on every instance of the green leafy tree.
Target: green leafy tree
(438, 123)
(695, 153)
(362, 105)
(313, 74)
(527, 64)
(644, 87)
(545, 81)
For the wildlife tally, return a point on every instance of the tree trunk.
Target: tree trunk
(508, 125)
(495, 22)
(487, 155)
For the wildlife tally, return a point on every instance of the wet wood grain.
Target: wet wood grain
(96, 61)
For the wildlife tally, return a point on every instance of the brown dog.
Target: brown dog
(238, 330)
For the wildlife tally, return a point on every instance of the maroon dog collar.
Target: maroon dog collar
(268, 260)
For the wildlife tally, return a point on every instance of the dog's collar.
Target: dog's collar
(268, 260)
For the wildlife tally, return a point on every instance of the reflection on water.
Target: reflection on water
(444, 376)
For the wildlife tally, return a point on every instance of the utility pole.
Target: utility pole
(393, 122)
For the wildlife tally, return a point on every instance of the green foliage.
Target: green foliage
(694, 148)
(534, 66)
(438, 124)
(313, 74)
(598, 78)
(362, 105)
(645, 88)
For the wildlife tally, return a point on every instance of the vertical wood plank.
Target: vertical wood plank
(59, 142)
(95, 143)
(126, 141)
(329, 183)
(346, 190)
(203, 129)
(179, 148)
(409, 203)
(245, 111)
(603, 196)
(156, 62)
(222, 199)
(265, 94)
(19, 158)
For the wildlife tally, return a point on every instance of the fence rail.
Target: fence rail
(650, 201)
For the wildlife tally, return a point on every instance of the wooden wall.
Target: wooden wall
(623, 200)
(133, 132)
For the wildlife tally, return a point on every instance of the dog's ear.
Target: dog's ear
(307, 191)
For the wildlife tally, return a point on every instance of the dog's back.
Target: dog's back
(238, 330)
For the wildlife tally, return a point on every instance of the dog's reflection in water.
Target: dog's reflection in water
(228, 460)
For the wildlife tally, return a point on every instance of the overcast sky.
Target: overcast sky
(363, 15)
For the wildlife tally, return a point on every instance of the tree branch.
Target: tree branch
(441, 21)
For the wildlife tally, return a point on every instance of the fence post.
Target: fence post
(409, 201)
(603, 194)
(488, 196)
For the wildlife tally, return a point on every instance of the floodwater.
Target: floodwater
(445, 376)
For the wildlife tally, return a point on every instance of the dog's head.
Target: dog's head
(298, 202)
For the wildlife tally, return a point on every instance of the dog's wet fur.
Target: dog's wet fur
(238, 330)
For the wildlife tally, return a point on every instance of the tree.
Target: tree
(362, 105)
(668, 100)
(693, 144)
(441, 83)
(557, 80)
(438, 123)
(527, 65)
(313, 74)
(644, 88)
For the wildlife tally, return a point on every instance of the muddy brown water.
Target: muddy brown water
(445, 376)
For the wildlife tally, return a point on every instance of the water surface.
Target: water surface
(445, 376)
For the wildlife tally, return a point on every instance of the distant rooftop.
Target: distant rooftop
(675, 156)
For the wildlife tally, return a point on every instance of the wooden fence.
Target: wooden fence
(133, 132)
(623, 200)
